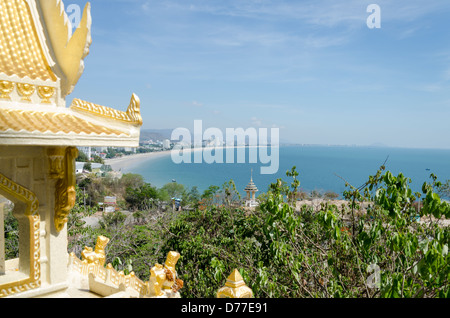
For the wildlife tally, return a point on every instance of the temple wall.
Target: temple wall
(29, 167)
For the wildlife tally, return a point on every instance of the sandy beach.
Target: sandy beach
(118, 164)
(127, 161)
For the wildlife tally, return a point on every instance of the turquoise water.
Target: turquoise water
(318, 167)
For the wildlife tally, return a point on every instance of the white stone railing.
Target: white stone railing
(107, 274)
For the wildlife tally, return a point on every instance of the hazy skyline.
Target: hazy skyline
(312, 68)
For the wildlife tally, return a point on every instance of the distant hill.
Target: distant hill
(155, 134)
(161, 134)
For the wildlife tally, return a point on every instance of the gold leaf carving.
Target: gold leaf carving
(134, 110)
(132, 115)
(26, 91)
(97, 255)
(56, 162)
(6, 87)
(65, 193)
(45, 93)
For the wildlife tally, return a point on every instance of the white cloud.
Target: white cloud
(196, 104)
(256, 121)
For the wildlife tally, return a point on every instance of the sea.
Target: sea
(320, 168)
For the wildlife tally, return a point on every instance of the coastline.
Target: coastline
(127, 161)
(132, 160)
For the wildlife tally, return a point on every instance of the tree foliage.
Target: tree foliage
(377, 245)
(384, 252)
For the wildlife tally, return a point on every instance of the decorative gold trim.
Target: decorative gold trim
(65, 193)
(19, 193)
(45, 93)
(26, 91)
(56, 162)
(33, 121)
(132, 115)
(6, 87)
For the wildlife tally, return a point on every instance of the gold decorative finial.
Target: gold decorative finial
(69, 49)
(235, 287)
(134, 109)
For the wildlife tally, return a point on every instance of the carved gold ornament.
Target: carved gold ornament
(235, 287)
(45, 93)
(62, 168)
(132, 115)
(97, 255)
(164, 278)
(26, 91)
(6, 87)
(134, 110)
(56, 162)
(157, 277)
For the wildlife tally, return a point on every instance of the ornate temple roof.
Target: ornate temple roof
(40, 63)
(251, 186)
(20, 51)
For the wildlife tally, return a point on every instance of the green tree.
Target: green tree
(283, 253)
(192, 197)
(142, 198)
(87, 166)
(174, 190)
(79, 234)
(444, 189)
(132, 180)
(98, 159)
(82, 157)
(11, 232)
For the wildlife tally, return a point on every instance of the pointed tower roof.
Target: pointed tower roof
(235, 279)
(251, 186)
(235, 287)
(40, 63)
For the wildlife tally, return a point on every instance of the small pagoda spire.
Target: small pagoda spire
(251, 190)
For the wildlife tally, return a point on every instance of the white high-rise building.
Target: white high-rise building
(166, 144)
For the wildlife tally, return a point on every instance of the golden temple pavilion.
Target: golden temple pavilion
(41, 61)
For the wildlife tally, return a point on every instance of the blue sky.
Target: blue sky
(311, 68)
